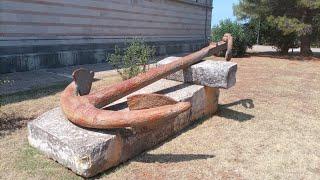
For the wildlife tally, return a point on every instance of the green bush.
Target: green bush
(133, 59)
(242, 39)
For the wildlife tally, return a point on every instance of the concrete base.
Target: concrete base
(88, 152)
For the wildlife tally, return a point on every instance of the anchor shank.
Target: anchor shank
(112, 93)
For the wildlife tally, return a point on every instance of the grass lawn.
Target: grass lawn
(17, 159)
(268, 127)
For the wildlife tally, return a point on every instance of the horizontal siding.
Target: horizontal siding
(52, 33)
(50, 29)
(22, 19)
(169, 5)
(60, 12)
(97, 6)
(105, 16)
(75, 40)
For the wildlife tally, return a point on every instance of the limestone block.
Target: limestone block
(217, 74)
(88, 152)
(84, 151)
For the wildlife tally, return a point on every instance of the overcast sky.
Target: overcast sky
(222, 9)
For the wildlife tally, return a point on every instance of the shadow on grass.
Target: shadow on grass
(32, 94)
(167, 158)
(162, 158)
(12, 122)
(170, 158)
(227, 113)
(9, 124)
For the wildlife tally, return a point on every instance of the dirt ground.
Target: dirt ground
(268, 127)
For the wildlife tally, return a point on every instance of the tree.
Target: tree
(267, 33)
(289, 17)
(242, 38)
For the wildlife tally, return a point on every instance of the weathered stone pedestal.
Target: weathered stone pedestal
(88, 152)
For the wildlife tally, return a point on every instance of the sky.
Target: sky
(222, 9)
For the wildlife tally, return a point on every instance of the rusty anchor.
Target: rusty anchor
(84, 108)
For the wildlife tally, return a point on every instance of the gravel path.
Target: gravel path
(262, 49)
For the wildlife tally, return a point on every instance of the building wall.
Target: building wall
(52, 33)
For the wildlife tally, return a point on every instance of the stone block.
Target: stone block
(88, 152)
(217, 74)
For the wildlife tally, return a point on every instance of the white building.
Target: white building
(52, 33)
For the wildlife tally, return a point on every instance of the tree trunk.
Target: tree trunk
(306, 45)
(306, 39)
(283, 49)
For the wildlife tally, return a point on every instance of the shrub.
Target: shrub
(242, 39)
(133, 59)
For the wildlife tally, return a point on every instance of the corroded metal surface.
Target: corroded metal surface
(228, 38)
(85, 110)
(146, 101)
(83, 79)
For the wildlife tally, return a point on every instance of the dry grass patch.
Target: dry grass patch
(18, 108)
(17, 159)
(268, 127)
(20, 161)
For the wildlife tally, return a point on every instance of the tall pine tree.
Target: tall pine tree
(301, 17)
